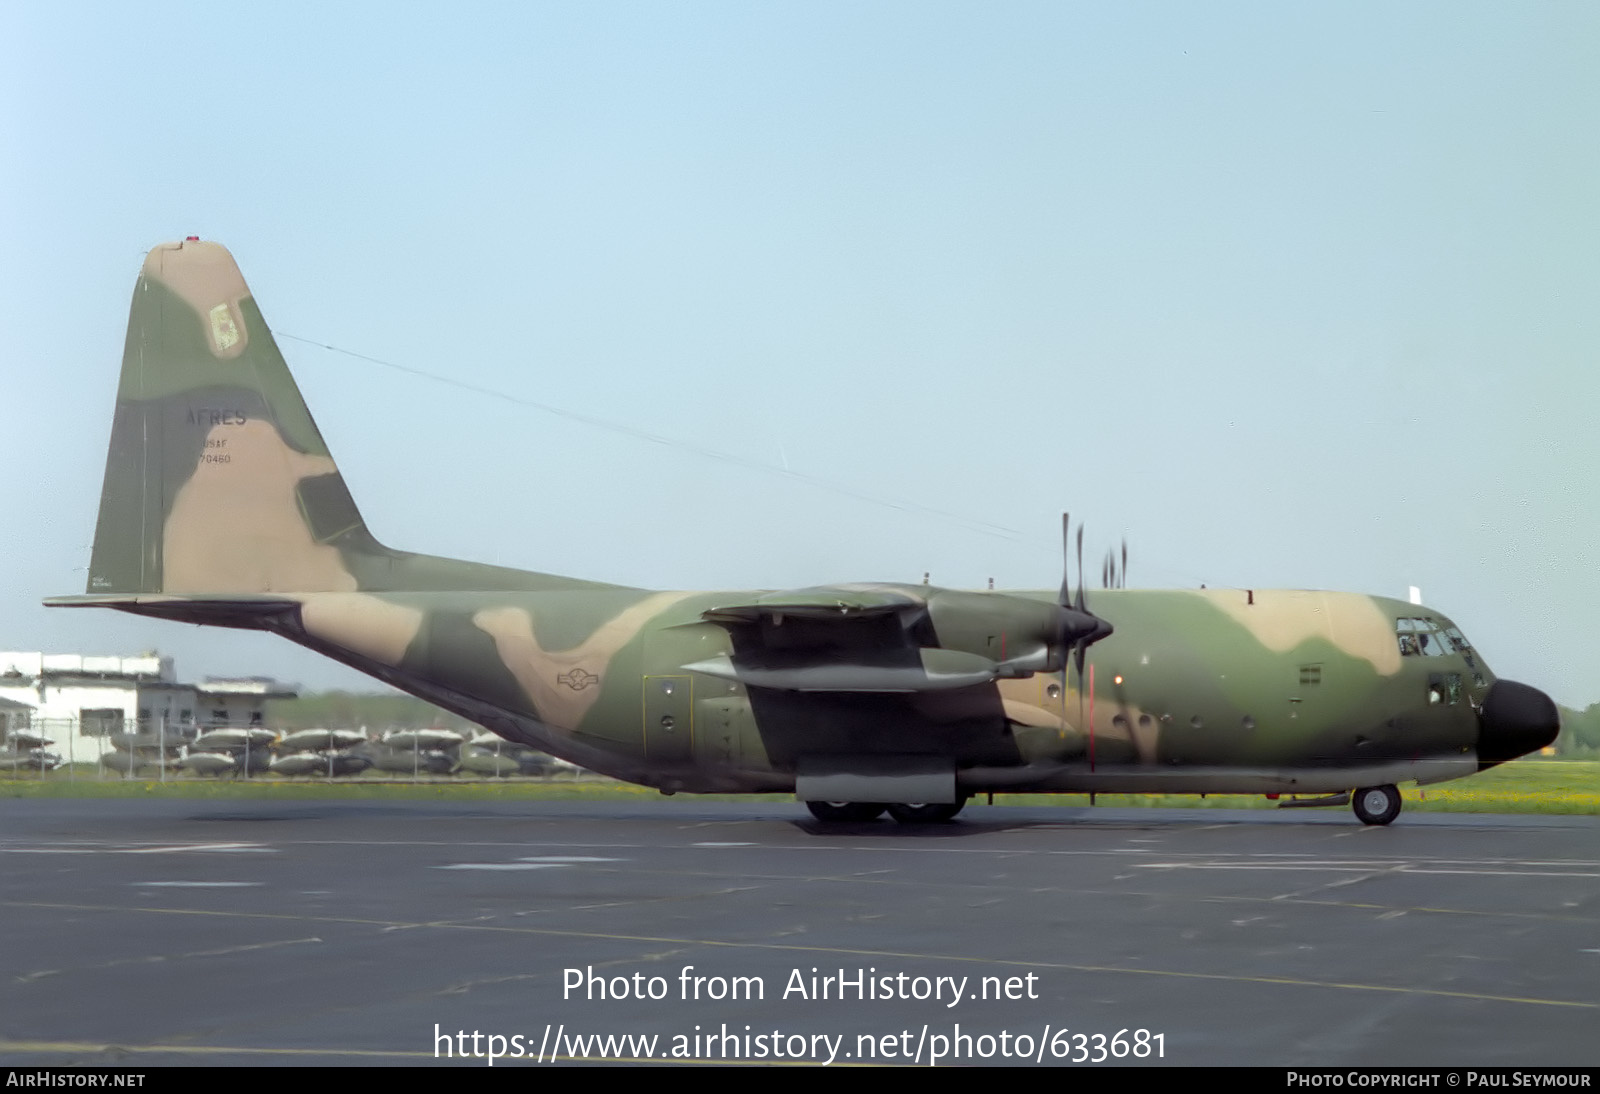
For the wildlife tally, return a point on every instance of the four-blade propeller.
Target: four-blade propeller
(1079, 628)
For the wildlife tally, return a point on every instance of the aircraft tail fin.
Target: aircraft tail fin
(217, 480)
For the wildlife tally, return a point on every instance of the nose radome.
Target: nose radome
(1515, 720)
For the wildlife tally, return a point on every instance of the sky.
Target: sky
(723, 295)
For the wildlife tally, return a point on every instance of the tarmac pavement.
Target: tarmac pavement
(256, 932)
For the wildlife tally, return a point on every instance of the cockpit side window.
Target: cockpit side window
(1459, 644)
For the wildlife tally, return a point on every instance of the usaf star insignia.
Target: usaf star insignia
(577, 679)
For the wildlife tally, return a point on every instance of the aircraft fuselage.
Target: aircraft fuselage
(1195, 691)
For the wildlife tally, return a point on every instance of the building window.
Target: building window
(100, 722)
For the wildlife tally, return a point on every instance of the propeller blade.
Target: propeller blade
(1078, 627)
(1080, 568)
(1066, 561)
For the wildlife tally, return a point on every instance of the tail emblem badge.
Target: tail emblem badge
(224, 332)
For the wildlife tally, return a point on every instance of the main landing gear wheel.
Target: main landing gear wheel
(839, 812)
(1376, 804)
(925, 813)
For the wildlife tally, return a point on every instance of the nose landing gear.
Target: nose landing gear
(1376, 804)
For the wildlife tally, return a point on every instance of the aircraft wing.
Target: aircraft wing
(825, 602)
(844, 638)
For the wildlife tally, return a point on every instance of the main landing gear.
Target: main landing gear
(1376, 804)
(909, 813)
(841, 812)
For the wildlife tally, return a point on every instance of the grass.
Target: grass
(1522, 786)
(587, 788)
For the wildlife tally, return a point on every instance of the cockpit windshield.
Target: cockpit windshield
(1424, 636)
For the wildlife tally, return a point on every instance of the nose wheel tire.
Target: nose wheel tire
(1376, 804)
(925, 813)
(842, 812)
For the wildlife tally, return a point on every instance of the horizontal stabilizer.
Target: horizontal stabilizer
(217, 609)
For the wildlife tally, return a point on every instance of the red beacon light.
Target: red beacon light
(191, 239)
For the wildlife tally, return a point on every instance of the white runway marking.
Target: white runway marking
(193, 884)
(501, 866)
(158, 850)
(194, 847)
(1360, 867)
(1503, 873)
(252, 946)
(50, 851)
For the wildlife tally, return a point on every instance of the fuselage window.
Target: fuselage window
(1444, 688)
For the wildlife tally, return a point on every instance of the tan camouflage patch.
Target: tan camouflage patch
(371, 626)
(205, 277)
(1283, 619)
(1363, 629)
(539, 671)
(236, 525)
(1027, 714)
(1027, 702)
(1128, 722)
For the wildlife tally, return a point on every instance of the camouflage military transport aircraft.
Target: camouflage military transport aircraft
(223, 506)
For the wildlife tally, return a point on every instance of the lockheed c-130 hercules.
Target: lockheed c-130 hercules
(222, 506)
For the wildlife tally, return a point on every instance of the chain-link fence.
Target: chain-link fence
(152, 750)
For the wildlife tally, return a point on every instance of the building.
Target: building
(81, 701)
(238, 701)
(13, 715)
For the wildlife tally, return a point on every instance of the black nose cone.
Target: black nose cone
(1515, 720)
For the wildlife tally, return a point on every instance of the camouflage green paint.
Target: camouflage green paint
(222, 505)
